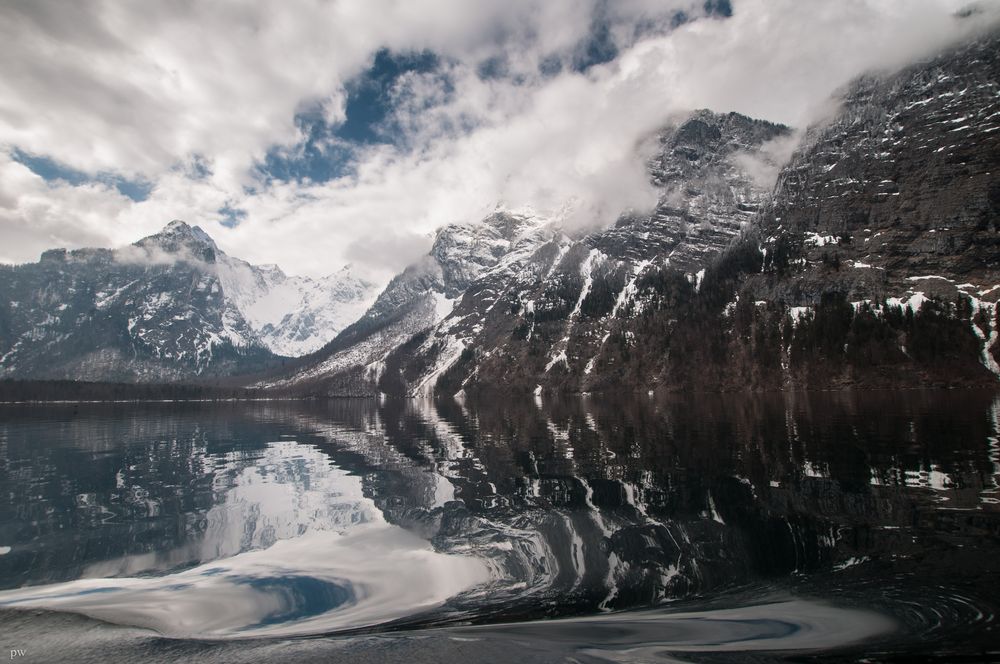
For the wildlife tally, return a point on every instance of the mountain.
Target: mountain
(293, 316)
(520, 289)
(414, 301)
(875, 260)
(869, 256)
(883, 240)
(170, 307)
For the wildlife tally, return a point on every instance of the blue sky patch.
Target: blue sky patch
(231, 216)
(721, 8)
(329, 151)
(599, 46)
(319, 158)
(369, 96)
(50, 170)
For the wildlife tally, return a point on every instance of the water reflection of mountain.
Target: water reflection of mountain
(576, 505)
(102, 490)
(593, 503)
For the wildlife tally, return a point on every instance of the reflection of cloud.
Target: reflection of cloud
(291, 547)
(317, 583)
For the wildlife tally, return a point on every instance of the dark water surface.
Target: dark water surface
(714, 528)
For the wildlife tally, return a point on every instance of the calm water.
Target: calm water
(696, 529)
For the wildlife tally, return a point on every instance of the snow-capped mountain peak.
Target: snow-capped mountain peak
(177, 234)
(294, 315)
(171, 306)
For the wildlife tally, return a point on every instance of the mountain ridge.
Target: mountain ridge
(872, 262)
(707, 196)
(810, 295)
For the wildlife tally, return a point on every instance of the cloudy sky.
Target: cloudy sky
(314, 133)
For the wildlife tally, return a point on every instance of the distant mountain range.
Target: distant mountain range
(171, 307)
(869, 257)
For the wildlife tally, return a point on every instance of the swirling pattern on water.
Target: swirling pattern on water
(317, 583)
(275, 520)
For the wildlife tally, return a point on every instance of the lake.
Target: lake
(697, 528)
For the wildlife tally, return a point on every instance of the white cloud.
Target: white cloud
(148, 90)
(36, 215)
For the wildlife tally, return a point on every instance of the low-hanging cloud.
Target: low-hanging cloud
(192, 97)
(765, 163)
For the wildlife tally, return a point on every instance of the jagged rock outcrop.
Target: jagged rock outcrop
(714, 172)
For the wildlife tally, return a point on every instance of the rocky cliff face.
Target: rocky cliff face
(514, 288)
(902, 183)
(874, 262)
(170, 307)
(714, 172)
(882, 245)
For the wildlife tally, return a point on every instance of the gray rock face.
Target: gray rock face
(903, 184)
(170, 307)
(715, 171)
(894, 205)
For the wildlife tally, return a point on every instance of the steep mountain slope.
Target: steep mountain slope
(883, 242)
(170, 307)
(902, 183)
(875, 263)
(548, 314)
